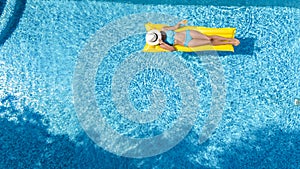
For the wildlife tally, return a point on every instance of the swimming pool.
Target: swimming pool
(45, 46)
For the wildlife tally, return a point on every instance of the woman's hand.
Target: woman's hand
(160, 42)
(166, 28)
(183, 22)
(163, 45)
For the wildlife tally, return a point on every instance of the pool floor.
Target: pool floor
(41, 124)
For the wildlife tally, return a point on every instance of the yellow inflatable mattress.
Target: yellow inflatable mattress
(224, 32)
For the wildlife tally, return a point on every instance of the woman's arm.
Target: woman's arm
(166, 46)
(166, 28)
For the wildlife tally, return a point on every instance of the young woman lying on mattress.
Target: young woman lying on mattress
(167, 38)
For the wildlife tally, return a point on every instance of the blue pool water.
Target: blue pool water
(2, 4)
(51, 50)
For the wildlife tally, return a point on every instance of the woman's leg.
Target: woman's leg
(197, 35)
(199, 42)
(219, 38)
(215, 40)
(230, 42)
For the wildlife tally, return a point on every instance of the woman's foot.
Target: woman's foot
(236, 42)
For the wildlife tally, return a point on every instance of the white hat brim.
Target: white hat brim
(157, 32)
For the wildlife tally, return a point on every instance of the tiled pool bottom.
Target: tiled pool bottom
(260, 125)
(28, 144)
(2, 5)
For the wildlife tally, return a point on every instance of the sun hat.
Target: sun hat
(153, 37)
